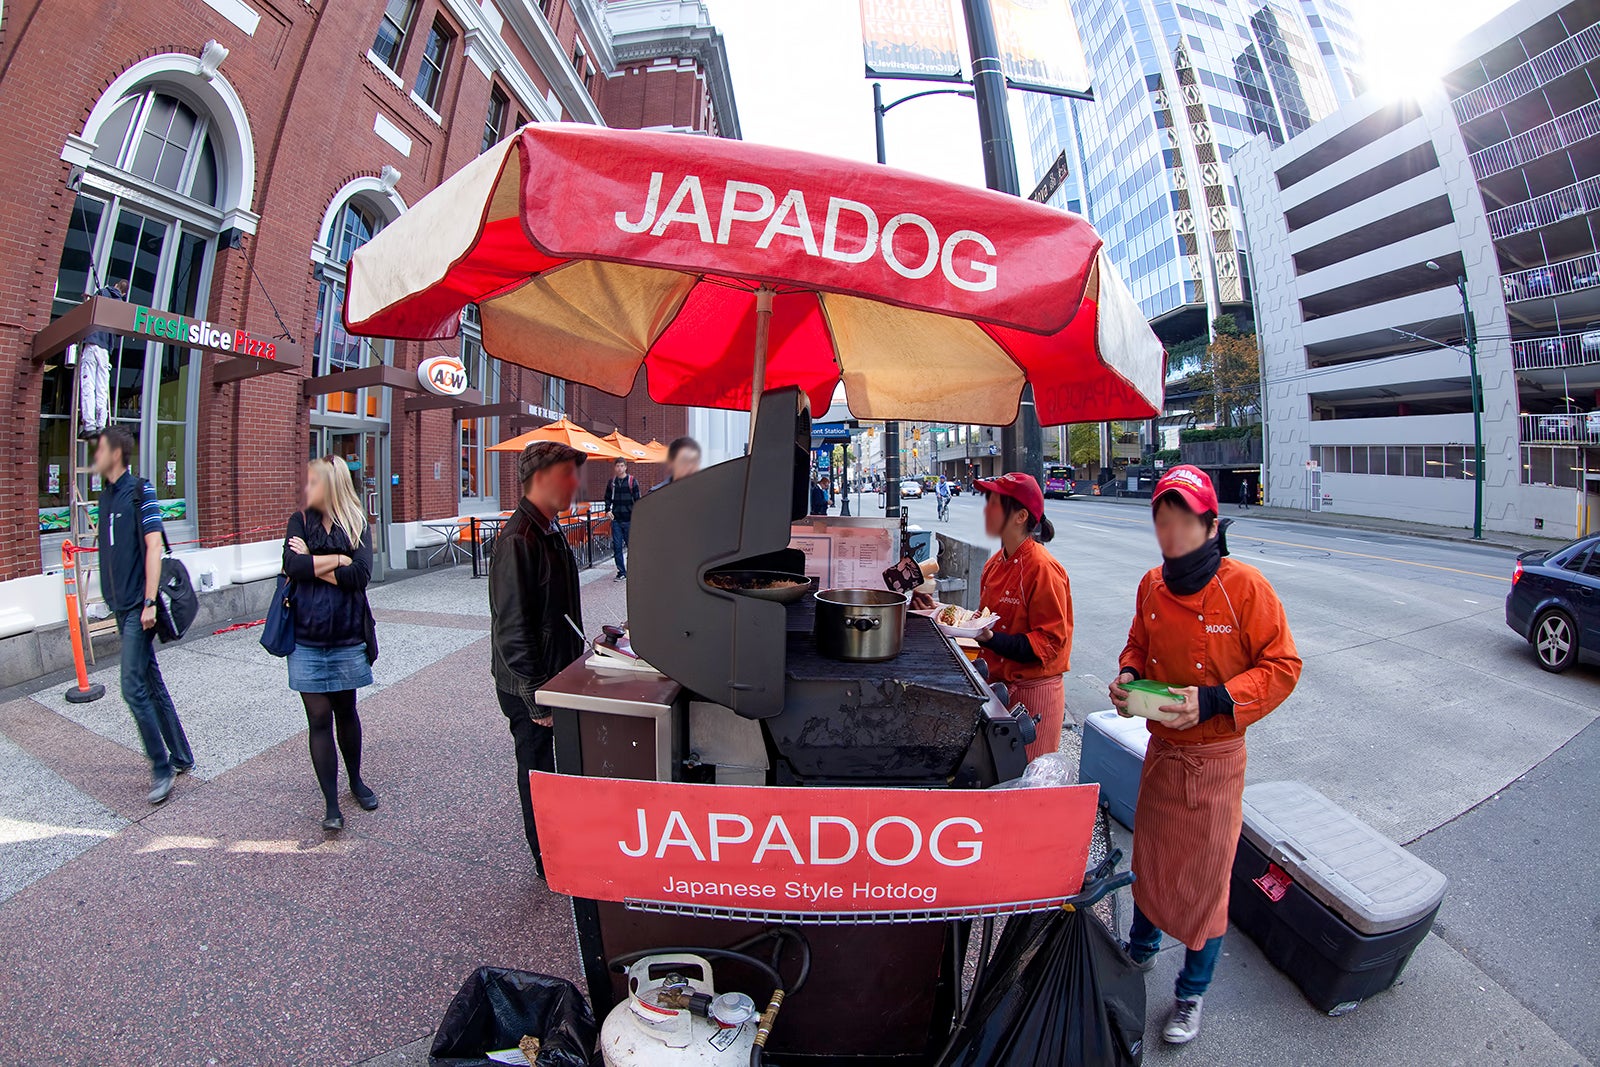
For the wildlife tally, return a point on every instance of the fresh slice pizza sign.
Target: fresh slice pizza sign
(812, 850)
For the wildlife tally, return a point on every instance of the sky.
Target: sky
(797, 72)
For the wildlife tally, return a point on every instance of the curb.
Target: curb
(1310, 518)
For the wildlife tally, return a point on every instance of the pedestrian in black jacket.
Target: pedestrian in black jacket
(622, 492)
(327, 552)
(533, 591)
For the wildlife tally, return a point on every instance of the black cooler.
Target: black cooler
(1334, 904)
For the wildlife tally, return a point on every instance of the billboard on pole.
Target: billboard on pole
(910, 38)
(1039, 44)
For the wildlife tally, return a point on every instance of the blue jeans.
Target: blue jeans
(1198, 966)
(145, 693)
(619, 543)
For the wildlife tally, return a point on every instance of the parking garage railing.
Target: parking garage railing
(1582, 47)
(1580, 198)
(1576, 125)
(1562, 350)
(1553, 279)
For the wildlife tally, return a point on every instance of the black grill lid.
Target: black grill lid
(724, 647)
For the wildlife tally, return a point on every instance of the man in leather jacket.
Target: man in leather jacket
(533, 591)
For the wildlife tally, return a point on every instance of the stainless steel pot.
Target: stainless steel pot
(860, 625)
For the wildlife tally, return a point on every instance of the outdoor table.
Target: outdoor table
(451, 529)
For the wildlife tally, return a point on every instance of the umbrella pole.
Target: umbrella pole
(758, 375)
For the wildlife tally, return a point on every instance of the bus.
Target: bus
(1058, 481)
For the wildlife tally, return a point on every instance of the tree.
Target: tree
(1232, 367)
(1083, 444)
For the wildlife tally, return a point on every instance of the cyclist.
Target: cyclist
(942, 493)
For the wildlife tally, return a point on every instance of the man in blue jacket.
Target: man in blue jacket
(130, 539)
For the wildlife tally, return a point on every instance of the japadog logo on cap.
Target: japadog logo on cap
(1181, 474)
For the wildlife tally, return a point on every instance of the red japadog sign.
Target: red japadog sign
(758, 848)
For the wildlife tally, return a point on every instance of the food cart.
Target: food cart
(743, 792)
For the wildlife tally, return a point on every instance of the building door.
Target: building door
(365, 452)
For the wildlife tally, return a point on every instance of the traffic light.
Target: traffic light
(913, 453)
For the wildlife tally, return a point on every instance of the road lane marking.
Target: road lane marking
(1081, 526)
(1469, 600)
(1269, 559)
(1348, 552)
(1358, 540)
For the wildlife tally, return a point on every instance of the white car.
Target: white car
(910, 487)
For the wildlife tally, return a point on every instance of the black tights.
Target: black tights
(325, 712)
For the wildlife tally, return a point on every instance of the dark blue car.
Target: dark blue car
(1554, 603)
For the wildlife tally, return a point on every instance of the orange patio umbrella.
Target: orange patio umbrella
(654, 452)
(567, 432)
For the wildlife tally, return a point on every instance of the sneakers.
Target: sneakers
(620, 578)
(1185, 1022)
(1147, 964)
(160, 789)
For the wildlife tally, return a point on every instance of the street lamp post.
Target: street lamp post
(891, 429)
(1469, 325)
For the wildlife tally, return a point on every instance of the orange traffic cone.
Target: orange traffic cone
(85, 691)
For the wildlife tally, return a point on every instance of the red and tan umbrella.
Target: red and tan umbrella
(723, 268)
(633, 450)
(566, 432)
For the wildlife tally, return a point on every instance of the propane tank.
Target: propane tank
(673, 1017)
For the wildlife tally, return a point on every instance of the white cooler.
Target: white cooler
(1113, 756)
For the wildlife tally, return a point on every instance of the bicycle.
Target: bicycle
(944, 508)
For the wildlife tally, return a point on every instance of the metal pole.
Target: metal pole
(1471, 326)
(891, 429)
(844, 481)
(1021, 443)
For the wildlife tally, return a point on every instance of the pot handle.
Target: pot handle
(863, 622)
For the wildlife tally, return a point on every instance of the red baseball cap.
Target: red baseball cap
(1190, 483)
(1019, 487)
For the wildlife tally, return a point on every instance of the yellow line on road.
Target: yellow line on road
(1342, 552)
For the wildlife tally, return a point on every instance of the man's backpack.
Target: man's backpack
(176, 603)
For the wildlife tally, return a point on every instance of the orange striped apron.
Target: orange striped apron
(1046, 698)
(1191, 808)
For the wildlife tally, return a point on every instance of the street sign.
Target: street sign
(1052, 180)
(830, 431)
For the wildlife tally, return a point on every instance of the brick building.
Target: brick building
(226, 157)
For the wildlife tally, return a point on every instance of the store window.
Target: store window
(147, 211)
(494, 123)
(479, 480)
(555, 393)
(435, 56)
(392, 29)
(333, 348)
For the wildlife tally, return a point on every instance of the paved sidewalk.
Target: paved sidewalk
(226, 928)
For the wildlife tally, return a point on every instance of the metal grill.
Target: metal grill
(925, 658)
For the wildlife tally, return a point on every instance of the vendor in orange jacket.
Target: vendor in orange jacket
(1214, 632)
(1030, 647)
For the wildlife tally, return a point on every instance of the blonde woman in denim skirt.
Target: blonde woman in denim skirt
(327, 552)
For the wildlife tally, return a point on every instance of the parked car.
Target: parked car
(910, 487)
(1554, 603)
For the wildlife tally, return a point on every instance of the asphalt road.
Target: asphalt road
(1423, 713)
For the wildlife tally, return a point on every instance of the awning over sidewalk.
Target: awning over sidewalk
(387, 377)
(252, 355)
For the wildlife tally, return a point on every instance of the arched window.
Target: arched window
(158, 137)
(362, 209)
(149, 209)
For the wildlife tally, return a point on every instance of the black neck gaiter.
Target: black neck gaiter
(1190, 573)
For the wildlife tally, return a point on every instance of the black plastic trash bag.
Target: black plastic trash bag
(1058, 992)
(496, 1007)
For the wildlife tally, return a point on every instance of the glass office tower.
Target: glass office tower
(1178, 88)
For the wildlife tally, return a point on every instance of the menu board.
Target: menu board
(845, 557)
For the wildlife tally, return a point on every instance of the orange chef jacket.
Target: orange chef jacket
(1232, 633)
(1030, 593)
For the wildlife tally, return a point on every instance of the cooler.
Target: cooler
(1334, 904)
(1113, 755)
